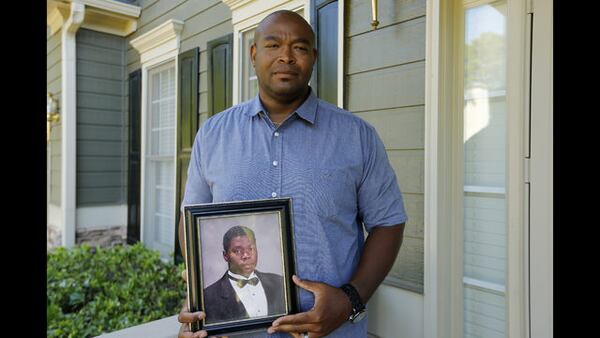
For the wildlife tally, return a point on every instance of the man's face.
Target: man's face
(283, 56)
(241, 255)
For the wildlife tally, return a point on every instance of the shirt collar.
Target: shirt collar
(307, 110)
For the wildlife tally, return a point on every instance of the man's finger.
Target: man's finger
(190, 317)
(299, 318)
(291, 328)
(184, 332)
(184, 275)
(305, 284)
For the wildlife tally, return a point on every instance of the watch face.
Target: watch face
(359, 316)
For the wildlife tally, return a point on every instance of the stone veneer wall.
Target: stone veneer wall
(103, 237)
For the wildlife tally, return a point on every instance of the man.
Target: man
(243, 292)
(286, 142)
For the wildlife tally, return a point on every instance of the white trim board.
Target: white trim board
(101, 216)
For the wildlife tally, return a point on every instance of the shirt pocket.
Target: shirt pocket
(333, 192)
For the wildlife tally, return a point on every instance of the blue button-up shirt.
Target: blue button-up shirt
(330, 162)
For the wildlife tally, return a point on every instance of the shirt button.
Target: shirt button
(275, 163)
(276, 134)
(274, 194)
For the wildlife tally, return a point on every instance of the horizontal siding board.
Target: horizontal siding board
(99, 180)
(203, 67)
(95, 148)
(101, 117)
(99, 101)
(53, 58)
(95, 196)
(200, 40)
(99, 133)
(99, 54)
(409, 262)
(399, 128)
(205, 20)
(86, 37)
(409, 168)
(398, 44)
(165, 10)
(414, 205)
(100, 164)
(100, 86)
(54, 41)
(389, 12)
(203, 104)
(391, 87)
(203, 82)
(54, 87)
(54, 73)
(99, 70)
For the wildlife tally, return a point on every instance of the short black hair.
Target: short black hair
(236, 231)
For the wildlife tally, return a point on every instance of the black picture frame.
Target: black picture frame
(204, 228)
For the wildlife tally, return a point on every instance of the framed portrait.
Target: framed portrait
(240, 259)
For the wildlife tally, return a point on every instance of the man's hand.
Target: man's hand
(332, 308)
(186, 318)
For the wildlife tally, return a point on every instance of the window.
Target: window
(249, 79)
(325, 23)
(159, 186)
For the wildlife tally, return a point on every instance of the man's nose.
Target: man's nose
(286, 55)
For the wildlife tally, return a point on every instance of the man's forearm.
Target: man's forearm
(379, 253)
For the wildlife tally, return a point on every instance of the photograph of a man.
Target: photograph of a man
(243, 292)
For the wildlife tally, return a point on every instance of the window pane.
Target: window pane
(327, 62)
(484, 129)
(249, 81)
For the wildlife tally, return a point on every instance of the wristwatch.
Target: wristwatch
(359, 311)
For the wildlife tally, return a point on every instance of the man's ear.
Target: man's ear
(225, 256)
(253, 53)
(315, 54)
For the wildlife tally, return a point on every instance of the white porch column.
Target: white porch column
(69, 123)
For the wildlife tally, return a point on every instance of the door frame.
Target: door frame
(441, 219)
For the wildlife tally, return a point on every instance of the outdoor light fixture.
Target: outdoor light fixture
(374, 21)
(51, 114)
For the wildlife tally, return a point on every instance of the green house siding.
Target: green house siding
(385, 85)
(101, 118)
(54, 86)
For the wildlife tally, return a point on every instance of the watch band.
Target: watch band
(357, 305)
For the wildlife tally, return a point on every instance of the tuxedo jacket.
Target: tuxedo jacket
(221, 302)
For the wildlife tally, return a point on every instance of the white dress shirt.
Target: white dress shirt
(252, 296)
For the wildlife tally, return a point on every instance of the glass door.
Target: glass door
(484, 116)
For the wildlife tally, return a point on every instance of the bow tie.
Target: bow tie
(242, 282)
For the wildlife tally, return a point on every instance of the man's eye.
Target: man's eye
(271, 46)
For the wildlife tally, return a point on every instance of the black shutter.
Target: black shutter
(187, 115)
(220, 77)
(133, 163)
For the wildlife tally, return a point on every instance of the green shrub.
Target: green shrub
(97, 290)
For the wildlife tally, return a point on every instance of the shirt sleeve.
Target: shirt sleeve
(380, 201)
(197, 189)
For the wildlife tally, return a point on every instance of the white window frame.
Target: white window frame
(443, 164)
(156, 47)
